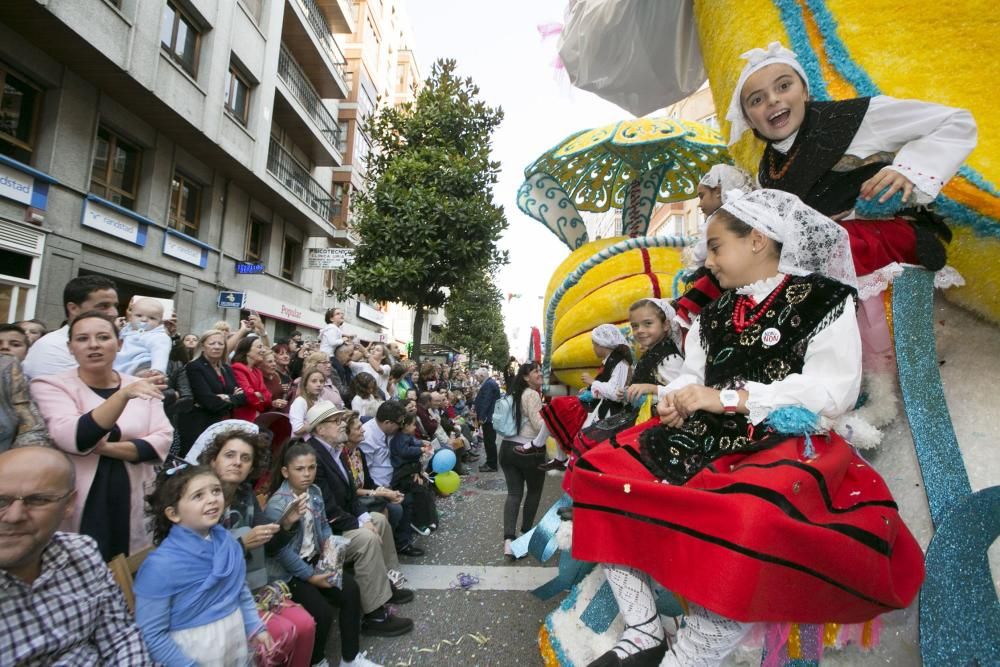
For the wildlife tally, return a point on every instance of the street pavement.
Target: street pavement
(493, 623)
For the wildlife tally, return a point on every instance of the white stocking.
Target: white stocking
(542, 436)
(705, 640)
(634, 595)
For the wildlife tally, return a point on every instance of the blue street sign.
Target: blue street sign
(232, 299)
(249, 267)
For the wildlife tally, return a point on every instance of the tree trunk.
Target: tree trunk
(418, 325)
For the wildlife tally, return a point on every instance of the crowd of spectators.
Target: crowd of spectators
(233, 466)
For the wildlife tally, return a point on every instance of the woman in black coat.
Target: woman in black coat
(213, 386)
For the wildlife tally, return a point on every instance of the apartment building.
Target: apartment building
(181, 147)
(381, 70)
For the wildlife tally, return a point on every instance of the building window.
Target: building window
(290, 258)
(18, 109)
(115, 173)
(185, 205)
(179, 37)
(256, 240)
(237, 94)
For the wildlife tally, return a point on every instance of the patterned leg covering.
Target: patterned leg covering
(634, 595)
(705, 640)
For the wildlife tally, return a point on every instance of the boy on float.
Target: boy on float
(873, 164)
(720, 502)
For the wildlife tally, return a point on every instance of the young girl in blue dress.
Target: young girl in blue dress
(192, 603)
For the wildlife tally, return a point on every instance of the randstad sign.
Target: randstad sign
(22, 186)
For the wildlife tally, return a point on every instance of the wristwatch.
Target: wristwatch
(730, 399)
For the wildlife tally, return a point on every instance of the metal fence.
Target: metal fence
(296, 80)
(294, 177)
(321, 29)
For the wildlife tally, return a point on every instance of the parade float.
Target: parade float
(937, 459)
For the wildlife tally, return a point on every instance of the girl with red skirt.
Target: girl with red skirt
(718, 499)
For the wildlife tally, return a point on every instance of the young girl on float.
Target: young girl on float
(192, 603)
(874, 164)
(604, 396)
(721, 178)
(659, 339)
(716, 500)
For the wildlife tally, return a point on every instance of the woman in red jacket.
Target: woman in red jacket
(247, 362)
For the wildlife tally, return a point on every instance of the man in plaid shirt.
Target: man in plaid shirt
(59, 604)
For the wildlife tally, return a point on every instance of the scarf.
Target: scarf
(203, 576)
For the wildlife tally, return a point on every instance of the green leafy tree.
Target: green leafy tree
(427, 220)
(475, 320)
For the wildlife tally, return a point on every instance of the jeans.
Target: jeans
(520, 471)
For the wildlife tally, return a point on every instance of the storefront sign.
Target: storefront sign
(329, 258)
(185, 249)
(277, 309)
(114, 220)
(249, 267)
(23, 184)
(366, 312)
(232, 299)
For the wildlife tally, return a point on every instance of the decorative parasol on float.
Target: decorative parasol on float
(628, 165)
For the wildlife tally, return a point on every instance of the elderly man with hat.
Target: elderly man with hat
(372, 549)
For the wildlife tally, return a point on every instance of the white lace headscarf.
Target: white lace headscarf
(726, 178)
(608, 335)
(758, 59)
(810, 241)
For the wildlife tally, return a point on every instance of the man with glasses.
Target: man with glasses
(59, 603)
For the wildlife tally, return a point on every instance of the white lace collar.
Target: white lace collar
(785, 144)
(762, 288)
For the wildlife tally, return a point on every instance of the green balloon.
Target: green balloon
(447, 482)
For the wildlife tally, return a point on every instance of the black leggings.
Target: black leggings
(319, 602)
(520, 470)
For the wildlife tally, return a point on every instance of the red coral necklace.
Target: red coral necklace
(744, 304)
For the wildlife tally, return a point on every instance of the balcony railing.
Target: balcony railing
(320, 28)
(294, 177)
(296, 80)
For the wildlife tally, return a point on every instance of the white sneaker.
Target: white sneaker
(360, 660)
(322, 663)
(507, 550)
(421, 531)
(396, 577)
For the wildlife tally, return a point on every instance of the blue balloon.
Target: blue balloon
(443, 461)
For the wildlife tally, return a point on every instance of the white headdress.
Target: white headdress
(673, 325)
(756, 60)
(726, 178)
(810, 241)
(210, 433)
(608, 335)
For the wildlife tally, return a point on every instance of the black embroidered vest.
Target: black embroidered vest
(607, 406)
(808, 168)
(645, 368)
(806, 306)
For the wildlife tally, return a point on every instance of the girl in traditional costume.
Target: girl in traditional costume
(874, 164)
(717, 500)
(658, 337)
(721, 178)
